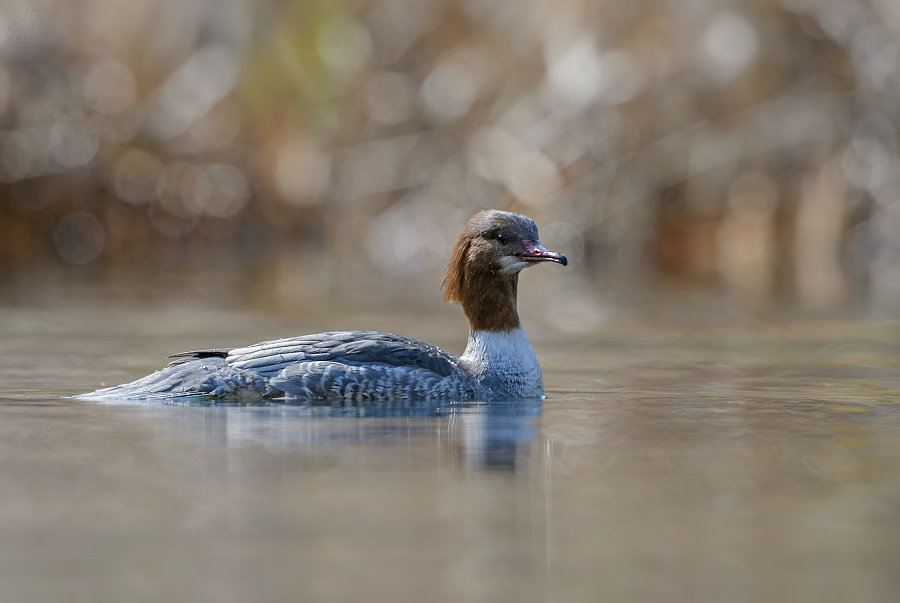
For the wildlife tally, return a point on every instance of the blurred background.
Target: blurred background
(723, 176)
(710, 158)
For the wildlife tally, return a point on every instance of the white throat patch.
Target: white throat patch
(510, 264)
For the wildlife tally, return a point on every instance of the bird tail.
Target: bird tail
(205, 377)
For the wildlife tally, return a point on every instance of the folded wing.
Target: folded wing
(356, 365)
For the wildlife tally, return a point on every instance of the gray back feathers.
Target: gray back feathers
(341, 365)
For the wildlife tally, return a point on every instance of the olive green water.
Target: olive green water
(757, 463)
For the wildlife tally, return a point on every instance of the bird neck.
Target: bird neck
(489, 299)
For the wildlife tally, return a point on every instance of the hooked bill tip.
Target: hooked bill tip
(563, 260)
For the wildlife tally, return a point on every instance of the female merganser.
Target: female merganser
(482, 276)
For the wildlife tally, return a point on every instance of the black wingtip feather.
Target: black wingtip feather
(199, 354)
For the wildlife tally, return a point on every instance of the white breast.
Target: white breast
(506, 359)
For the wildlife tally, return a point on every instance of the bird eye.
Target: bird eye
(501, 238)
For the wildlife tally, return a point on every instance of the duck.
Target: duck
(366, 366)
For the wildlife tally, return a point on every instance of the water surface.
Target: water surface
(666, 464)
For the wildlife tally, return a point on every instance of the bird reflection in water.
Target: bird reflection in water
(495, 435)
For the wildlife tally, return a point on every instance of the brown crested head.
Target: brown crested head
(483, 271)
